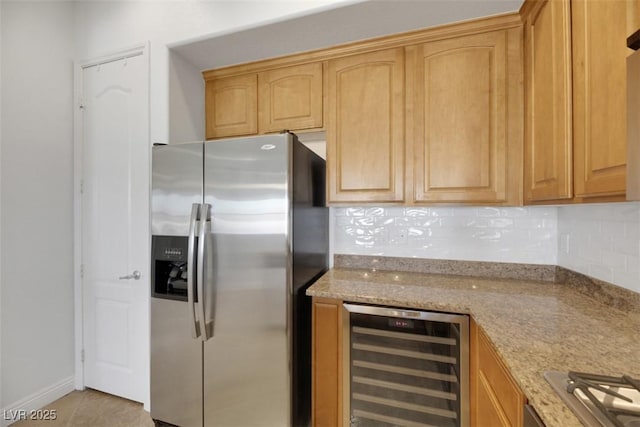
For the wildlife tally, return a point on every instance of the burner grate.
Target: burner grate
(585, 382)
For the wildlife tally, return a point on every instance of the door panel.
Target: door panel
(548, 128)
(599, 98)
(246, 365)
(176, 356)
(176, 365)
(462, 118)
(115, 229)
(232, 106)
(290, 98)
(365, 132)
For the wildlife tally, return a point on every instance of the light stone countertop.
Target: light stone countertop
(535, 326)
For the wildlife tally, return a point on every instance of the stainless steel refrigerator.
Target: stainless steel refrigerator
(239, 230)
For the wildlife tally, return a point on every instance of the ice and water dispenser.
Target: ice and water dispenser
(169, 267)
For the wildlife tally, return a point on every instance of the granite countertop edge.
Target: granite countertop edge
(535, 326)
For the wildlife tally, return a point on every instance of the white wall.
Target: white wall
(36, 198)
(186, 101)
(602, 241)
(1, 400)
(519, 235)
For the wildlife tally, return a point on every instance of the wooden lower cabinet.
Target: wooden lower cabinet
(496, 400)
(326, 361)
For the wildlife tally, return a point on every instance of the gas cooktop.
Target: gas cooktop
(599, 400)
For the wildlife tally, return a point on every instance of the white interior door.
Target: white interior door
(115, 227)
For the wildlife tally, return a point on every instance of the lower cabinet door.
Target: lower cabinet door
(496, 400)
(326, 397)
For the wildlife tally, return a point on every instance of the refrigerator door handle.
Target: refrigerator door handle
(205, 219)
(195, 213)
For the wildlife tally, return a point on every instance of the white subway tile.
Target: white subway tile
(363, 221)
(501, 222)
(416, 212)
(354, 211)
(515, 212)
(384, 220)
(427, 222)
(600, 240)
(374, 212)
(441, 212)
(614, 260)
(488, 212)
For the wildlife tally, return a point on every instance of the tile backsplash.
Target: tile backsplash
(602, 241)
(521, 235)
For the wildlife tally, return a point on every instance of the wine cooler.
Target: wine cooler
(405, 368)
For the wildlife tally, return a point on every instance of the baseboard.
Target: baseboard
(22, 408)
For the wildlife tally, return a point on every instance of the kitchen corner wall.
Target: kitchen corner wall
(519, 235)
(602, 241)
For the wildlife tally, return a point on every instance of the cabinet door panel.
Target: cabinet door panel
(231, 105)
(599, 72)
(488, 412)
(548, 125)
(326, 360)
(290, 98)
(461, 118)
(496, 400)
(365, 133)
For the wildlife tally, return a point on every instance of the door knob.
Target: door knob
(135, 276)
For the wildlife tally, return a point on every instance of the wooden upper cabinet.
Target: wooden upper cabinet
(548, 109)
(365, 129)
(231, 105)
(599, 30)
(290, 98)
(466, 123)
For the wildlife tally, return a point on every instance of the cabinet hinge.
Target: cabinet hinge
(81, 270)
(82, 355)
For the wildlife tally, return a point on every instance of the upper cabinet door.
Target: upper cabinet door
(599, 96)
(466, 125)
(548, 123)
(365, 129)
(231, 105)
(290, 98)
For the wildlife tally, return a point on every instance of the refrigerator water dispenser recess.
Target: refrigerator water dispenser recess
(169, 267)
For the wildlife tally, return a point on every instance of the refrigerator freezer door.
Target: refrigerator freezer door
(176, 366)
(246, 364)
(176, 185)
(176, 356)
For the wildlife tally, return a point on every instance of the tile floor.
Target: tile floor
(92, 408)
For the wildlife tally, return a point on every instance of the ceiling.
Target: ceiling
(342, 24)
